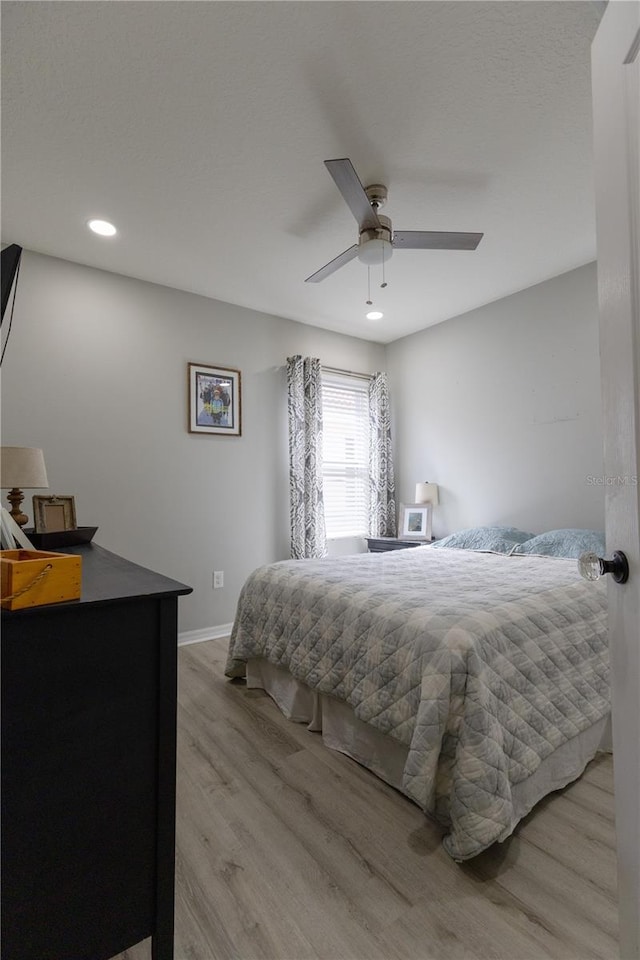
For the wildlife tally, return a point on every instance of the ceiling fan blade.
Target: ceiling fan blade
(431, 240)
(348, 183)
(334, 265)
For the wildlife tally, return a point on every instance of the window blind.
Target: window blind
(345, 455)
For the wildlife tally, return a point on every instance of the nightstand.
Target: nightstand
(382, 544)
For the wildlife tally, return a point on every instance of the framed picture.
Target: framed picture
(214, 400)
(415, 521)
(52, 514)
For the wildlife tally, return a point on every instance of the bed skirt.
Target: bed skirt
(342, 731)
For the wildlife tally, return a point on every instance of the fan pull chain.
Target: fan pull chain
(384, 282)
(369, 300)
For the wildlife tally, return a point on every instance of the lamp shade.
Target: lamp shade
(22, 467)
(375, 251)
(427, 493)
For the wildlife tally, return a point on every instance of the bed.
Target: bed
(474, 682)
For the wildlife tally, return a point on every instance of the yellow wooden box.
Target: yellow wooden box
(20, 569)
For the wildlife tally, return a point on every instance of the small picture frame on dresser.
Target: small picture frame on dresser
(415, 521)
(53, 514)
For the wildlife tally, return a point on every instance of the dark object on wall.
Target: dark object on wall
(88, 766)
(10, 262)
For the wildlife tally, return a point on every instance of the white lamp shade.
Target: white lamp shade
(22, 467)
(427, 493)
(375, 251)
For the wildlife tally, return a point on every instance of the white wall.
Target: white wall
(501, 407)
(95, 373)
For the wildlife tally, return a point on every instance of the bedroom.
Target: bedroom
(107, 403)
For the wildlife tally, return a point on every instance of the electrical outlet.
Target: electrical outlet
(218, 579)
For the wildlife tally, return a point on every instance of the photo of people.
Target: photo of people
(214, 400)
(214, 395)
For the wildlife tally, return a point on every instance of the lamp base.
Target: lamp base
(15, 498)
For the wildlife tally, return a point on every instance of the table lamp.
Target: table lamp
(427, 493)
(21, 468)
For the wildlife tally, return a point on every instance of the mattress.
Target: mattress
(479, 666)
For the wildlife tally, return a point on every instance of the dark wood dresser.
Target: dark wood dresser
(88, 766)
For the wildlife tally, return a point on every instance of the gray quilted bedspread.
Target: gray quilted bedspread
(481, 664)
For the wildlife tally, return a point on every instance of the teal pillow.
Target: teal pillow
(493, 539)
(563, 543)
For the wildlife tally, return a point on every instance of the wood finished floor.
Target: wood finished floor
(289, 851)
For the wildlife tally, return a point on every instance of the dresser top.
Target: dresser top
(107, 577)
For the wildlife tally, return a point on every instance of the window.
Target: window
(345, 467)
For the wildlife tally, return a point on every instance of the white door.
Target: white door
(616, 118)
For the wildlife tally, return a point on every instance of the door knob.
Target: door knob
(592, 567)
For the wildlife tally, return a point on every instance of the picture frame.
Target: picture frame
(415, 521)
(215, 400)
(54, 513)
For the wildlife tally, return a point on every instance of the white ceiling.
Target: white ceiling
(200, 129)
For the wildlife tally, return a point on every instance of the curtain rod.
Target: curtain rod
(348, 373)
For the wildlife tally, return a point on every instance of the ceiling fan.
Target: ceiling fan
(377, 240)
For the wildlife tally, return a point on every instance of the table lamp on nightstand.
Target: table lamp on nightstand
(427, 493)
(21, 468)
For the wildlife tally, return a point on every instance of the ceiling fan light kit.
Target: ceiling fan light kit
(376, 237)
(374, 245)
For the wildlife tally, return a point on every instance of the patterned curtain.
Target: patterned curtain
(305, 458)
(381, 479)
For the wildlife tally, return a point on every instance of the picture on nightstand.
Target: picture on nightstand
(415, 521)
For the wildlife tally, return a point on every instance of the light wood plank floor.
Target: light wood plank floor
(289, 851)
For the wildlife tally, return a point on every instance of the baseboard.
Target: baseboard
(207, 633)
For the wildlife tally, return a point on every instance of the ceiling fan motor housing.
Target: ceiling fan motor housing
(374, 244)
(377, 195)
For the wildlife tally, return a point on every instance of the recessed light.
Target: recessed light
(103, 227)
(375, 315)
